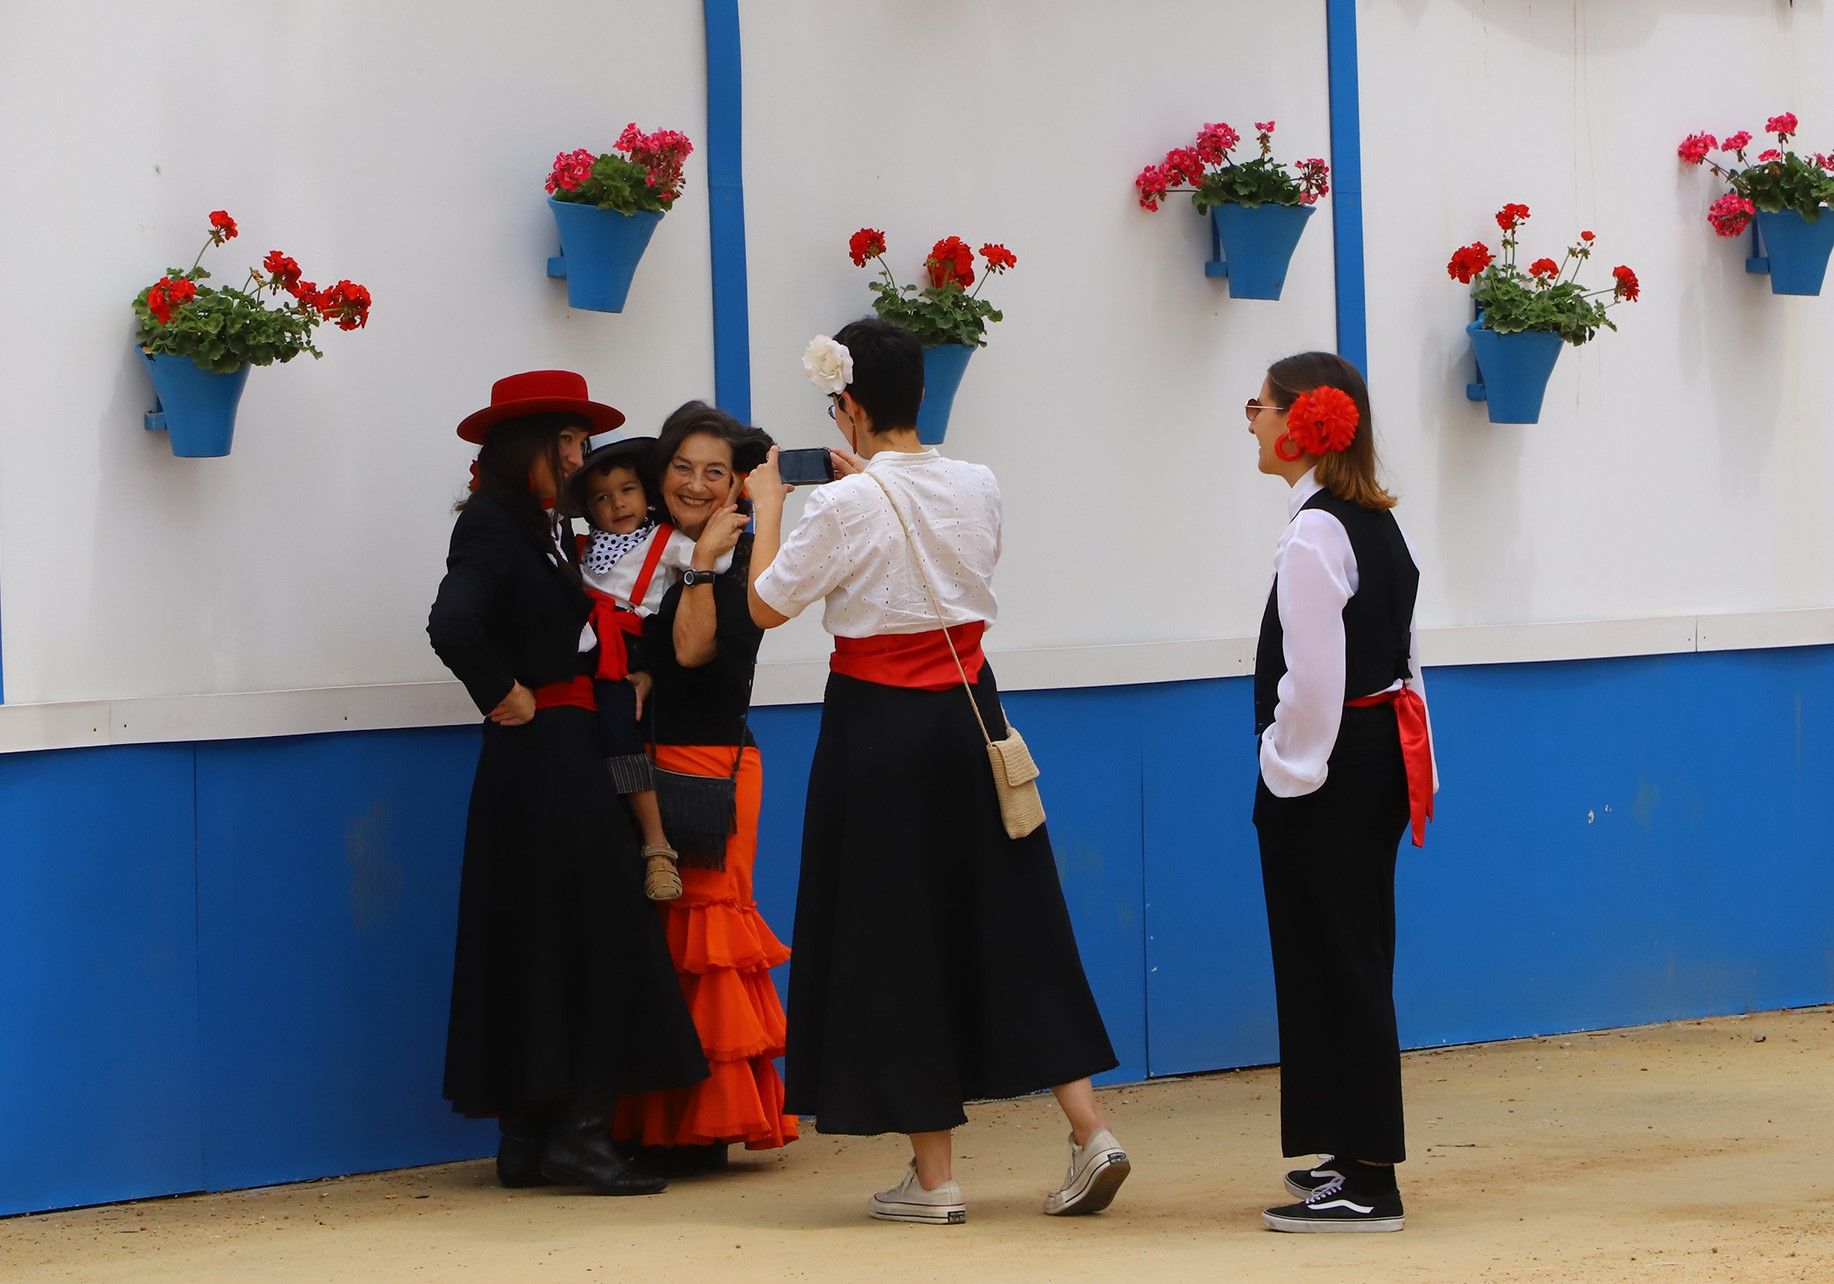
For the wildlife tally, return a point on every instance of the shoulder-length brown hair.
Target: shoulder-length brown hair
(1350, 474)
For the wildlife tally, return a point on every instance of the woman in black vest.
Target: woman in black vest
(563, 995)
(1346, 765)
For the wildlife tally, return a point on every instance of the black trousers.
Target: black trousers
(1328, 869)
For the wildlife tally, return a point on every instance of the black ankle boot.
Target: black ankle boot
(578, 1152)
(519, 1149)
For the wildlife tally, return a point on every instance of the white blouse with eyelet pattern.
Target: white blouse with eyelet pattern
(850, 551)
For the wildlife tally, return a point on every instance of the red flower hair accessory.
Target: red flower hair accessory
(1323, 421)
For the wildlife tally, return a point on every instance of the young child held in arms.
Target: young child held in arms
(628, 562)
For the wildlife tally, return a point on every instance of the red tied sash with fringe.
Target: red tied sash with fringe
(1416, 751)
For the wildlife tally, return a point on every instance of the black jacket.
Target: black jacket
(506, 612)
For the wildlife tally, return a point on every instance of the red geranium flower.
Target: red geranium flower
(348, 302)
(1468, 261)
(1736, 142)
(1588, 236)
(1782, 126)
(1264, 126)
(222, 227)
(1544, 267)
(1695, 147)
(1511, 216)
(1185, 165)
(1323, 421)
(1731, 214)
(282, 268)
(1215, 139)
(1153, 181)
(867, 243)
(1627, 287)
(1769, 154)
(999, 258)
(950, 259)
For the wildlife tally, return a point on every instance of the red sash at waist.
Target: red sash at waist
(612, 624)
(920, 661)
(574, 693)
(1416, 751)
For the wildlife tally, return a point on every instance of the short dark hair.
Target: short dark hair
(635, 463)
(887, 371)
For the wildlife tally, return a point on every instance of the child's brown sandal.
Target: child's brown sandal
(661, 878)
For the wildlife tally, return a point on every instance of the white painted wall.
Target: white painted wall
(1675, 472)
(401, 145)
(1680, 464)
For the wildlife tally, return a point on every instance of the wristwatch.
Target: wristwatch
(690, 578)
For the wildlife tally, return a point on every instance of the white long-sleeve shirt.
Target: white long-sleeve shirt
(1315, 575)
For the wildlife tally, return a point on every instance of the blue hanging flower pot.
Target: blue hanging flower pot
(1793, 250)
(599, 252)
(1512, 371)
(1252, 246)
(943, 367)
(197, 407)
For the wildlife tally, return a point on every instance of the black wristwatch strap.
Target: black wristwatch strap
(692, 577)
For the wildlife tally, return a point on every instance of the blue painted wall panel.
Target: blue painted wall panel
(327, 903)
(1210, 987)
(1622, 841)
(98, 977)
(1087, 744)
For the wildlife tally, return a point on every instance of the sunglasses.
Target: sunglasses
(834, 403)
(1254, 406)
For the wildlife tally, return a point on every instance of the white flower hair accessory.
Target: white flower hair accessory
(829, 364)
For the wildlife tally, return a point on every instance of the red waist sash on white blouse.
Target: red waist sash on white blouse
(919, 661)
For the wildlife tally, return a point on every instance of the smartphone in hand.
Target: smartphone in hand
(809, 467)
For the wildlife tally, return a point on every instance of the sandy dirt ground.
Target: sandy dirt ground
(1696, 1151)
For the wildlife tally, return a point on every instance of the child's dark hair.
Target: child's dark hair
(887, 371)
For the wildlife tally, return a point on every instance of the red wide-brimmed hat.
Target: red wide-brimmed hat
(538, 392)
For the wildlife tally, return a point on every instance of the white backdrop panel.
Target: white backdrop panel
(1108, 400)
(1679, 464)
(403, 146)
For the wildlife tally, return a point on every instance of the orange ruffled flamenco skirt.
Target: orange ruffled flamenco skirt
(723, 952)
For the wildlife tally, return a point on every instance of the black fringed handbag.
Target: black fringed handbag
(699, 813)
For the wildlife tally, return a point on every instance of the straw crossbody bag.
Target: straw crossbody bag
(1015, 775)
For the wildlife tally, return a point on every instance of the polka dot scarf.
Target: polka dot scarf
(605, 550)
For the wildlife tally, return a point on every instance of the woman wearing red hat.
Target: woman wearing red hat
(1346, 769)
(563, 994)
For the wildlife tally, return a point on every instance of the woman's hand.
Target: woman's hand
(720, 535)
(516, 708)
(642, 682)
(846, 463)
(765, 484)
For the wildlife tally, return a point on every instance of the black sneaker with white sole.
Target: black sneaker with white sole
(1333, 1208)
(1301, 1182)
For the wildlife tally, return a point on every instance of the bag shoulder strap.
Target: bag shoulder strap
(923, 573)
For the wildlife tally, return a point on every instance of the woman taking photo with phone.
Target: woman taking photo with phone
(1346, 766)
(563, 998)
(935, 962)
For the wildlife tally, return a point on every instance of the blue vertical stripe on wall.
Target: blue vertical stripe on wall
(726, 210)
(1347, 183)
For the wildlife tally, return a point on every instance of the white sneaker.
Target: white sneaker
(1097, 1170)
(910, 1202)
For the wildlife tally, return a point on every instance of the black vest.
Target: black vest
(1378, 618)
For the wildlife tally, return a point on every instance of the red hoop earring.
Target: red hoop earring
(1282, 442)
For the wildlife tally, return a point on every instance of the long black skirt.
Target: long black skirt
(562, 988)
(935, 962)
(1328, 867)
